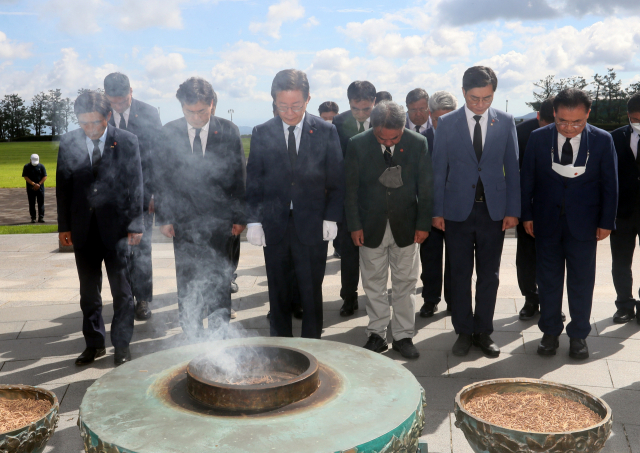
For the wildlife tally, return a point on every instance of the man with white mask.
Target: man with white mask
(569, 185)
(35, 174)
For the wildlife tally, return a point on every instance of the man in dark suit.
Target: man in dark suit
(477, 197)
(35, 175)
(362, 97)
(388, 204)
(200, 204)
(526, 245)
(295, 196)
(383, 96)
(569, 202)
(623, 240)
(99, 195)
(143, 121)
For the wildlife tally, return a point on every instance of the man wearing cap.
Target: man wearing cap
(35, 174)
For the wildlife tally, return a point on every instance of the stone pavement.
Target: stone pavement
(14, 206)
(40, 336)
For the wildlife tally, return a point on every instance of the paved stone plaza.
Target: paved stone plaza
(40, 336)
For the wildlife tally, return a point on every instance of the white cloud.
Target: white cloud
(10, 50)
(491, 44)
(139, 14)
(71, 73)
(75, 17)
(368, 30)
(279, 13)
(312, 22)
(159, 65)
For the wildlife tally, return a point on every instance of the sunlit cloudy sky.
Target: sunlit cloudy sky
(239, 45)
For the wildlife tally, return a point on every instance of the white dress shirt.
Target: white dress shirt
(471, 121)
(575, 145)
(116, 117)
(297, 133)
(384, 148)
(424, 127)
(365, 124)
(101, 143)
(634, 143)
(204, 133)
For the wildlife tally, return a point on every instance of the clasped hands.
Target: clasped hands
(507, 222)
(169, 231)
(601, 233)
(358, 237)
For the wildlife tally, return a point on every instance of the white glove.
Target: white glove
(329, 230)
(255, 236)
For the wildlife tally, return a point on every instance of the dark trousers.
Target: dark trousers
(89, 260)
(481, 237)
(203, 274)
(623, 244)
(140, 267)
(308, 262)
(526, 265)
(33, 196)
(431, 260)
(234, 253)
(349, 263)
(580, 259)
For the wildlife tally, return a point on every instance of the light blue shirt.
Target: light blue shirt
(102, 139)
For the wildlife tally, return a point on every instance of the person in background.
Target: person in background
(143, 121)
(526, 248)
(623, 239)
(99, 193)
(383, 96)
(569, 202)
(200, 203)
(477, 198)
(388, 204)
(35, 175)
(328, 110)
(362, 98)
(418, 114)
(440, 103)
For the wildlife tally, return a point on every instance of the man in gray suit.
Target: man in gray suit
(477, 197)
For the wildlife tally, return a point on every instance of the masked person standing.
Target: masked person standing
(200, 204)
(35, 174)
(569, 202)
(143, 121)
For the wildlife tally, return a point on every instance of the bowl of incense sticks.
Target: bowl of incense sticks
(523, 415)
(28, 418)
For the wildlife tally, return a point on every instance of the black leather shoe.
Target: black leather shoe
(376, 343)
(563, 316)
(406, 348)
(462, 345)
(40, 220)
(488, 346)
(121, 356)
(638, 316)
(234, 287)
(624, 315)
(297, 311)
(142, 310)
(89, 355)
(548, 345)
(529, 310)
(428, 309)
(336, 254)
(448, 307)
(578, 348)
(349, 306)
(33, 220)
(269, 314)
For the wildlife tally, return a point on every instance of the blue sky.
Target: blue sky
(239, 45)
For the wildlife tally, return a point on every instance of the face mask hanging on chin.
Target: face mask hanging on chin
(635, 127)
(391, 177)
(569, 171)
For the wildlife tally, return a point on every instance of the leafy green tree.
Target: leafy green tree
(17, 117)
(548, 87)
(37, 112)
(53, 115)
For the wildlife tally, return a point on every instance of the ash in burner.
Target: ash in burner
(240, 366)
(272, 378)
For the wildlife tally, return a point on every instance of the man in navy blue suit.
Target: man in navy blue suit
(623, 240)
(295, 197)
(569, 202)
(477, 197)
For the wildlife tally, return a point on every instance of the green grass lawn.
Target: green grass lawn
(28, 229)
(13, 157)
(246, 142)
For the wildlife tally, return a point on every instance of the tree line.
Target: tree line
(609, 98)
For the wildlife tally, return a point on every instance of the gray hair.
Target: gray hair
(442, 100)
(389, 115)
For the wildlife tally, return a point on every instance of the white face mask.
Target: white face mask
(636, 127)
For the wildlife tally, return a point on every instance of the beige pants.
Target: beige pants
(374, 266)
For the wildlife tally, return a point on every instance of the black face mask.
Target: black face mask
(391, 177)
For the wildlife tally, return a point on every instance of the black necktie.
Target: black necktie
(388, 157)
(418, 129)
(567, 153)
(197, 144)
(477, 146)
(123, 124)
(291, 146)
(95, 157)
(361, 128)
(638, 152)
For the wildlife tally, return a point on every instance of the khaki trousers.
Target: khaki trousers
(374, 266)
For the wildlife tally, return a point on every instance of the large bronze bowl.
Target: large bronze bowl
(33, 437)
(486, 437)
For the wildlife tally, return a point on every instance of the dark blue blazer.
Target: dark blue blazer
(115, 195)
(428, 133)
(628, 174)
(316, 186)
(590, 199)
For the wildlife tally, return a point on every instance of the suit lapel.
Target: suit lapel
(131, 124)
(213, 137)
(280, 143)
(492, 130)
(585, 139)
(109, 147)
(463, 127)
(306, 138)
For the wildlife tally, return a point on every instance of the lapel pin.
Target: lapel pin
(402, 150)
(311, 131)
(114, 144)
(215, 132)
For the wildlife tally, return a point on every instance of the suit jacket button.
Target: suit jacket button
(473, 186)
(293, 183)
(479, 169)
(388, 193)
(95, 190)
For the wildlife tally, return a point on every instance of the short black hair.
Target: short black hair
(479, 77)
(92, 101)
(116, 84)
(383, 96)
(415, 95)
(290, 80)
(328, 106)
(194, 90)
(633, 105)
(546, 110)
(361, 90)
(572, 98)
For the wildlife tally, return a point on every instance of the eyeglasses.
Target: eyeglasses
(423, 111)
(90, 123)
(476, 100)
(573, 124)
(356, 110)
(294, 109)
